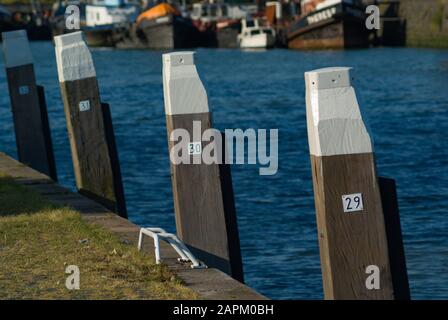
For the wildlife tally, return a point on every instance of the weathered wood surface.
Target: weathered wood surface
(350, 241)
(203, 196)
(343, 163)
(198, 202)
(95, 160)
(33, 138)
(209, 283)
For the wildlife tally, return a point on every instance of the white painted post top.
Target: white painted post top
(16, 49)
(326, 78)
(334, 121)
(73, 57)
(183, 90)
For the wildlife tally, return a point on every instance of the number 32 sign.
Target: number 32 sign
(352, 202)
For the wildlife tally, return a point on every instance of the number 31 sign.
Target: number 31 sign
(352, 202)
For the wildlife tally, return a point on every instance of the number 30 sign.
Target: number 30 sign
(195, 148)
(352, 202)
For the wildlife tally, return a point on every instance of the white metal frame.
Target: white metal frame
(160, 234)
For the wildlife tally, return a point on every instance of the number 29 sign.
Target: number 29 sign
(352, 202)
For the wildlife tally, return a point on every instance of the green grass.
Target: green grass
(38, 241)
(427, 41)
(437, 18)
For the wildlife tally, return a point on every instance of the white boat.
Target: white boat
(109, 12)
(107, 21)
(255, 34)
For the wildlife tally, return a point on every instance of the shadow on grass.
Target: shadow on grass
(16, 199)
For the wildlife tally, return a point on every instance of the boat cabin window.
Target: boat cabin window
(254, 32)
(250, 23)
(267, 31)
(197, 11)
(213, 11)
(224, 11)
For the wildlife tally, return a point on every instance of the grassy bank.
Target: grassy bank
(38, 241)
(426, 22)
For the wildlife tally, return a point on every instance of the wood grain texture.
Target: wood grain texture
(33, 139)
(204, 205)
(349, 242)
(91, 154)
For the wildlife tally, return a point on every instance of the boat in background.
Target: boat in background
(164, 27)
(219, 23)
(256, 34)
(6, 21)
(107, 21)
(329, 24)
(280, 15)
(31, 18)
(58, 16)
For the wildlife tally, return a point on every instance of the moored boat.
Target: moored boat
(107, 20)
(219, 23)
(6, 21)
(165, 28)
(256, 34)
(31, 18)
(58, 16)
(329, 24)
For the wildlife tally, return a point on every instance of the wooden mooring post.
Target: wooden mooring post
(203, 196)
(357, 222)
(29, 109)
(89, 125)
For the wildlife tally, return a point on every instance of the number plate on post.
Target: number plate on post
(352, 202)
(84, 105)
(195, 148)
(24, 90)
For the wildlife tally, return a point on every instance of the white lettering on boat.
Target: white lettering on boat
(322, 15)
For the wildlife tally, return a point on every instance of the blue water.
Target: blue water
(404, 94)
